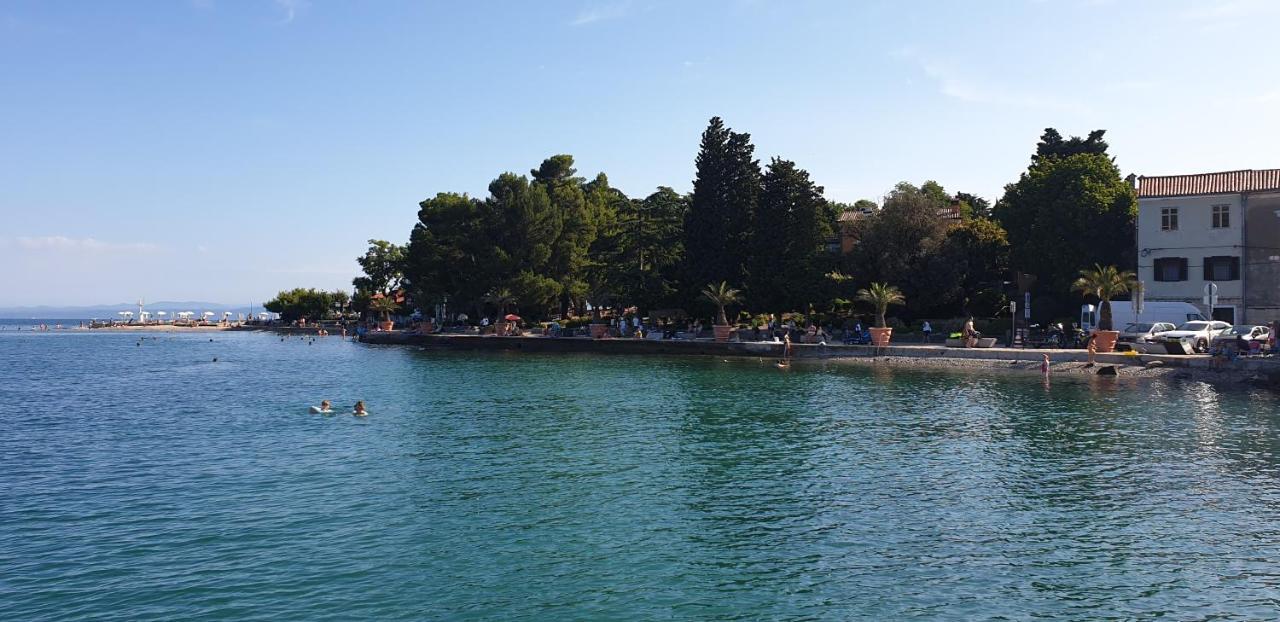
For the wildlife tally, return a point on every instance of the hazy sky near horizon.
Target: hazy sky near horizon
(223, 150)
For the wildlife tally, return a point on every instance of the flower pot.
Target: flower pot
(598, 331)
(880, 336)
(1105, 340)
(387, 325)
(722, 332)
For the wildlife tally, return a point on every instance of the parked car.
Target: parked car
(1199, 333)
(1144, 332)
(1249, 332)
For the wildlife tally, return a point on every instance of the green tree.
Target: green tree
(310, 303)
(721, 295)
(451, 255)
(978, 253)
(903, 243)
(384, 306)
(383, 265)
(793, 224)
(650, 248)
(1104, 283)
(721, 208)
(1068, 211)
(880, 296)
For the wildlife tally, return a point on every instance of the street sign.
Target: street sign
(1026, 305)
(1211, 295)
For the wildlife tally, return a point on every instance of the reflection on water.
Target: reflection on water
(147, 482)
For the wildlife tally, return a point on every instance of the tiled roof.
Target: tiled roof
(1209, 183)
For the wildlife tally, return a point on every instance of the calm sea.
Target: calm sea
(142, 480)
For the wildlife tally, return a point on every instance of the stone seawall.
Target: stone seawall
(774, 350)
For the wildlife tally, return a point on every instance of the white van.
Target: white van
(1122, 314)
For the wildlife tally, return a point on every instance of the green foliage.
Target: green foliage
(383, 266)
(309, 303)
(880, 296)
(721, 295)
(1105, 283)
(725, 191)
(903, 243)
(792, 226)
(384, 306)
(1069, 210)
(977, 255)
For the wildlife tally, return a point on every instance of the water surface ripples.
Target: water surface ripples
(148, 482)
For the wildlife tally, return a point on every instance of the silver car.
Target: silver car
(1198, 333)
(1143, 332)
(1249, 332)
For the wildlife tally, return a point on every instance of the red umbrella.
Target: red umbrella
(511, 317)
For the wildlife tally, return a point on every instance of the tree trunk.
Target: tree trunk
(880, 323)
(721, 319)
(1104, 316)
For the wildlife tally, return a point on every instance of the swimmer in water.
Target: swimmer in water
(325, 406)
(359, 410)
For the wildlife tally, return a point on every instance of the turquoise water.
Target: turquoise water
(148, 482)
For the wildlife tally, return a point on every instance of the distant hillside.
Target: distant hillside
(110, 311)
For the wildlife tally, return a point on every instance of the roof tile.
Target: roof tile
(1227, 182)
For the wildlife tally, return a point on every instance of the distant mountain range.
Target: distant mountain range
(110, 311)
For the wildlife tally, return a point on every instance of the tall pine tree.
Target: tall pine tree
(793, 224)
(718, 223)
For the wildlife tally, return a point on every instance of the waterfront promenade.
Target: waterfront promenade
(1257, 369)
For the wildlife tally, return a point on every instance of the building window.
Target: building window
(1171, 269)
(1168, 219)
(1221, 268)
(1221, 216)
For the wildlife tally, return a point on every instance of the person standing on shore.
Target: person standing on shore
(927, 330)
(970, 337)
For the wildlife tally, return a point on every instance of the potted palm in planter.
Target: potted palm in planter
(386, 306)
(880, 296)
(1105, 283)
(501, 298)
(721, 295)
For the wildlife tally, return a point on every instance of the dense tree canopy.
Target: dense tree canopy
(717, 228)
(1068, 211)
(312, 304)
(555, 242)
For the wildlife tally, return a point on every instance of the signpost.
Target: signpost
(1139, 300)
(1026, 305)
(1013, 318)
(1210, 298)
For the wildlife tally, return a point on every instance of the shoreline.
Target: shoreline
(1069, 363)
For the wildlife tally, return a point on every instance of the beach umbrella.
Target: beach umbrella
(207, 314)
(511, 317)
(125, 313)
(161, 313)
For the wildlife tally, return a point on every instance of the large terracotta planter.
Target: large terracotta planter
(722, 332)
(880, 336)
(387, 325)
(1105, 340)
(598, 331)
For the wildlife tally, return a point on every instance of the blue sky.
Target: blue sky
(223, 150)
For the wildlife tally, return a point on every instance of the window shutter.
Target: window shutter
(1235, 268)
(1208, 268)
(1182, 269)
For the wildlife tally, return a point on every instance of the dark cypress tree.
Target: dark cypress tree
(718, 223)
(792, 227)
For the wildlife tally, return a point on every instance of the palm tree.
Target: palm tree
(500, 297)
(721, 295)
(1105, 283)
(881, 295)
(385, 305)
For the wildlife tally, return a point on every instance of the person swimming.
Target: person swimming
(324, 407)
(359, 410)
